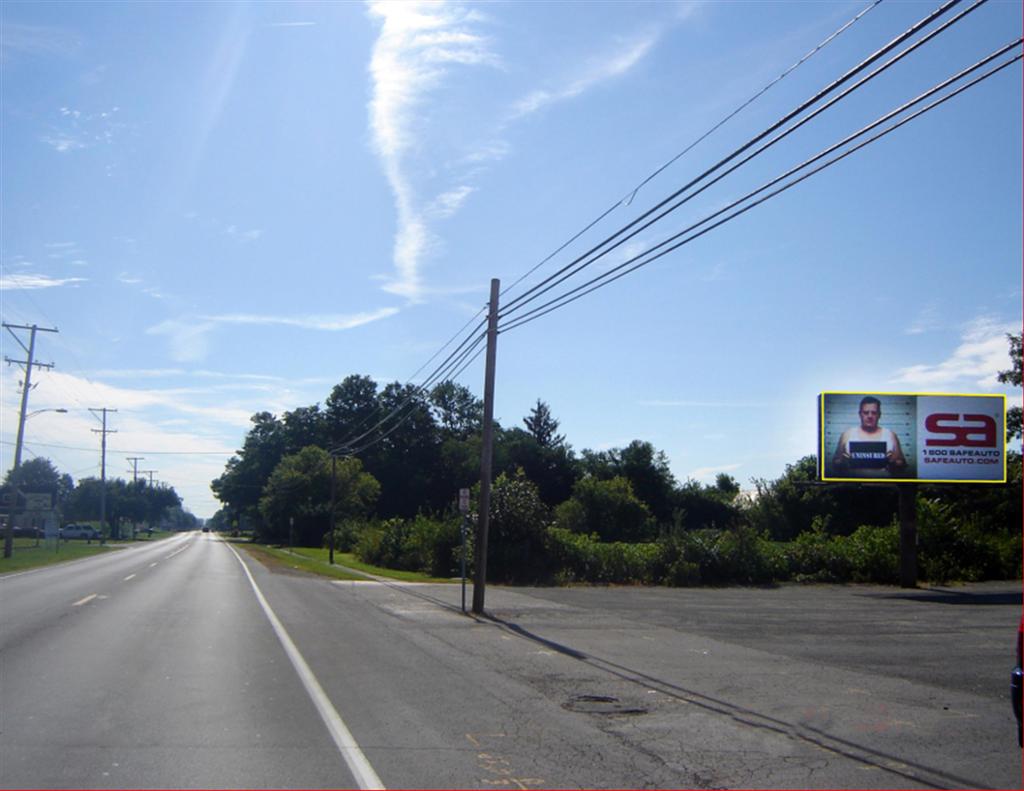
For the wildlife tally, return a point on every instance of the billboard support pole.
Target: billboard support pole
(908, 534)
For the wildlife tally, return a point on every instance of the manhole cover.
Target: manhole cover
(602, 704)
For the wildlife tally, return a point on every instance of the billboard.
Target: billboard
(927, 437)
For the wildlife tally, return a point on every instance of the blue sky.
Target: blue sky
(229, 207)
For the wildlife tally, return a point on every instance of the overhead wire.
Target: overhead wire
(439, 374)
(375, 412)
(628, 198)
(834, 85)
(354, 451)
(642, 259)
(624, 201)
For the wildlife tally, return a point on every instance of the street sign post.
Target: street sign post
(464, 510)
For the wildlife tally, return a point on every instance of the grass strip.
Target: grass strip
(315, 561)
(26, 555)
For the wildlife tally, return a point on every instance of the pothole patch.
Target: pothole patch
(605, 705)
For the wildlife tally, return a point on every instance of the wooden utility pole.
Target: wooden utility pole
(334, 464)
(29, 364)
(103, 464)
(480, 576)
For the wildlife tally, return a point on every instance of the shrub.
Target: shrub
(874, 554)
(346, 534)
(608, 508)
(956, 548)
(518, 524)
(816, 556)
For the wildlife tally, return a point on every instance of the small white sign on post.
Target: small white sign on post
(464, 501)
(38, 502)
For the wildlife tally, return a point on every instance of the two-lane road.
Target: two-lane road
(152, 666)
(185, 664)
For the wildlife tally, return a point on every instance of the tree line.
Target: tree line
(127, 502)
(394, 500)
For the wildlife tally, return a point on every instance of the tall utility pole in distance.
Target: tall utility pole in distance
(28, 364)
(480, 578)
(26, 385)
(103, 462)
(135, 466)
(150, 473)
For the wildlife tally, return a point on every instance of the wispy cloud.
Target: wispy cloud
(929, 318)
(316, 322)
(703, 473)
(243, 236)
(419, 43)
(188, 337)
(601, 69)
(448, 203)
(29, 282)
(981, 354)
(16, 39)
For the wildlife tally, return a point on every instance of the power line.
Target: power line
(628, 199)
(522, 299)
(150, 452)
(636, 262)
(450, 364)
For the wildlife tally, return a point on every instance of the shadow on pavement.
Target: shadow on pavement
(947, 596)
(925, 775)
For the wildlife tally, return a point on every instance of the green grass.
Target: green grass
(315, 561)
(27, 555)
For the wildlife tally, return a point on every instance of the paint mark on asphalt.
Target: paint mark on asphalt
(86, 600)
(362, 771)
(129, 577)
(152, 564)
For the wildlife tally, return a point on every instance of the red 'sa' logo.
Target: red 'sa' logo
(976, 431)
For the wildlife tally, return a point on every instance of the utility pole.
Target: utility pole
(334, 465)
(150, 473)
(103, 463)
(28, 364)
(26, 385)
(135, 466)
(480, 577)
(135, 480)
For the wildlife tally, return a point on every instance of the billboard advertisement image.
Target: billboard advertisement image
(933, 437)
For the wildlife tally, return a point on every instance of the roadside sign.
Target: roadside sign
(38, 502)
(464, 501)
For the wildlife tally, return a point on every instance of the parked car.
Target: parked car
(80, 531)
(1017, 683)
(26, 532)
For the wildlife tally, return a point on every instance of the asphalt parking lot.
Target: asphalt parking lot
(790, 686)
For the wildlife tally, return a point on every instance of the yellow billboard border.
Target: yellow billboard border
(821, 438)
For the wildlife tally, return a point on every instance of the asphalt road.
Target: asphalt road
(159, 666)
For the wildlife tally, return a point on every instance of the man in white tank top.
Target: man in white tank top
(868, 450)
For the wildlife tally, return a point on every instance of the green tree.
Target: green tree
(608, 508)
(459, 412)
(1012, 376)
(300, 488)
(645, 467)
(543, 427)
(39, 476)
(552, 468)
(241, 484)
(518, 524)
(351, 408)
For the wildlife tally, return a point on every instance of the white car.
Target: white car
(80, 531)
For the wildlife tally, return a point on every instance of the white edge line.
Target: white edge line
(357, 762)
